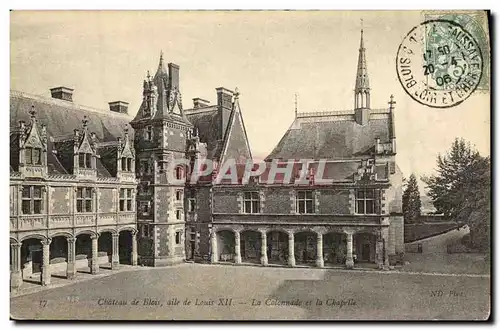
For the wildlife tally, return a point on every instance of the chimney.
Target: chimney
(62, 93)
(224, 107)
(173, 76)
(200, 103)
(224, 98)
(118, 106)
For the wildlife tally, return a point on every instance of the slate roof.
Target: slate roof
(62, 117)
(209, 125)
(329, 138)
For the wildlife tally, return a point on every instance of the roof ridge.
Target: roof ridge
(68, 104)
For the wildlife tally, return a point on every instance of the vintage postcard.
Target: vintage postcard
(250, 165)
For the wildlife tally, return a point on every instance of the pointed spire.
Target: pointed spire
(162, 70)
(362, 81)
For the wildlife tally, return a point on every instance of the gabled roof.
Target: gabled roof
(332, 136)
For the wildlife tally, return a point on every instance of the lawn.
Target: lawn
(212, 292)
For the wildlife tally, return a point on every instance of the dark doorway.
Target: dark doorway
(365, 252)
(36, 261)
(125, 247)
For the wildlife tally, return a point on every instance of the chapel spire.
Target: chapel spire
(362, 88)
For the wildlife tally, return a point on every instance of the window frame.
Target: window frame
(126, 200)
(147, 205)
(178, 237)
(31, 159)
(304, 201)
(251, 202)
(87, 160)
(87, 196)
(31, 200)
(148, 133)
(360, 198)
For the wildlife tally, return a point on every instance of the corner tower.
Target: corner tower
(161, 129)
(362, 87)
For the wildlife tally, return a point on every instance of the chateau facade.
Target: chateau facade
(87, 191)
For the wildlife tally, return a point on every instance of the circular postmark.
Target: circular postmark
(439, 63)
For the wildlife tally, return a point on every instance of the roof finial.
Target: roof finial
(148, 75)
(85, 121)
(236, 92)
(126, 130)
(32, 111)
(391, 103)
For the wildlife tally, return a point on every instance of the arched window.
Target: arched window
(179, 172)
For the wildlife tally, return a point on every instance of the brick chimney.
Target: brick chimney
(118, 106)
(62, 93)
(224, 107)
(173, 76)
(200, 103)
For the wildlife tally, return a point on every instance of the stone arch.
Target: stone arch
(219, 229)
(277, 246)
(40, 237)
(85, 231)
(107, 230)
(250, 245)
(62, 233)
(59, 249)
(226, 243)
(334, 247)
(364, 246)
(305, 246)
(279, 230)
(83, 244)
(128, 228)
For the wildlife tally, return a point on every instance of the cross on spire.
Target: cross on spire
(391, 102)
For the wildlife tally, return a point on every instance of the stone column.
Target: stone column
(349, 262)
(71, 268)
(134, 249)
(115, 257)
(214, 255)
(46, 263)
(237, 248)
(319, 251)
(263, 248)
(94, 265)
(379, 253)
(291, 249)
(16, 278)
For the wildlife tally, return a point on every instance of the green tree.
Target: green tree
(461, 189)
(411, 201)
(444, 188)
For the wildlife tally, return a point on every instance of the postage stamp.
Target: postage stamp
(476, 23)
(439, 63)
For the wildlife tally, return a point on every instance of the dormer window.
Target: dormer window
(33, 156)
(126, 164)
(85, 160)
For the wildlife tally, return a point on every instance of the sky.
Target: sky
(269, 56)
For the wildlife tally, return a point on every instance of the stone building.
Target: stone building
(72, 187)
(85, 190)
(355, 218)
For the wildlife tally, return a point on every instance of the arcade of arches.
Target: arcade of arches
(36, 258)
(310, 248)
